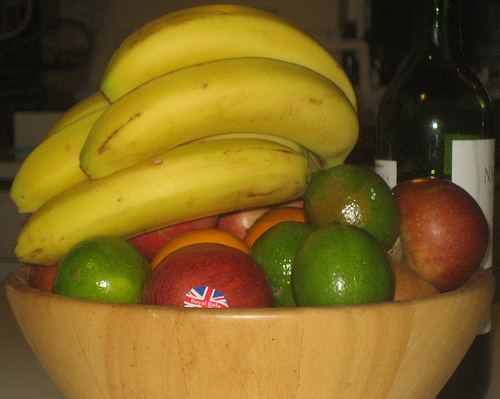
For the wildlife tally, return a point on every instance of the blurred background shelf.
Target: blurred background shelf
(8, 170)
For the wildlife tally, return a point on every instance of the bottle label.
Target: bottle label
(449, 139)
(388, 170)
(473, 168)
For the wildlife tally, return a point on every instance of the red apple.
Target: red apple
(42, 277)
(149, 243)
(239, 222)
(298, 203)
(208, 275)
(443, 233)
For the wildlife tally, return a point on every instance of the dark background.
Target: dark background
(25, 65)
(390, 34)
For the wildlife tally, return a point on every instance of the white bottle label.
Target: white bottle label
(473, 168)
(388, 170)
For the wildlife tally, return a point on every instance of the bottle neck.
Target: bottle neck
(437, 30)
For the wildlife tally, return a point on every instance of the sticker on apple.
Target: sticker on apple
(204, 297)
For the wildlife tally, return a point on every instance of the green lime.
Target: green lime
(103, 268)
(341, 265)
(353, 195)
(274, 251)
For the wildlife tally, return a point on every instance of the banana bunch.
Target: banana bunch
(249, 94)
(204, 111)
(206, 33)
(191, 181)
(53, 166)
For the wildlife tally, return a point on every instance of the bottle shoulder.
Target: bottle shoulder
(432, 100)
(436, 75)
(436, 81)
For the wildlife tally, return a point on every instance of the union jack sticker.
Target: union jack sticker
(204, 297)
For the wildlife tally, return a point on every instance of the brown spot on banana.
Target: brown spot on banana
(266, 194)
(104, 145)
(315, 101)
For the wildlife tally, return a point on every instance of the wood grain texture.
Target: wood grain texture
(403, 349)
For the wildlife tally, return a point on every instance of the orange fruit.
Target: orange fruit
(198, 236)
(103, 268)
(410, 284)
(42, 277)
(341, 265)
(272, 218)
(353, 195)
(274, 251)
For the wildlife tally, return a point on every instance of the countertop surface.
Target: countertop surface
(22, 376)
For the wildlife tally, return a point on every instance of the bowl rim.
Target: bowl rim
(17, 281)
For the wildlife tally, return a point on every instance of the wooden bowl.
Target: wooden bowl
(405, 349)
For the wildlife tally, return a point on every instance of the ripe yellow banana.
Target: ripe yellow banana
(53, 166)
(190, 181)
(89, 104)
(314, 162)
(210, 32)
(255, 95)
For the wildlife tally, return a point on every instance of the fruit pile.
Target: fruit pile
(300, 253)
(211, 173)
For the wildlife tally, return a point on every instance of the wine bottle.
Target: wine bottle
(436, 119)
(493, 89)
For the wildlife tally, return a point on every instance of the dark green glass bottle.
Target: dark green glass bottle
(436, 119)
